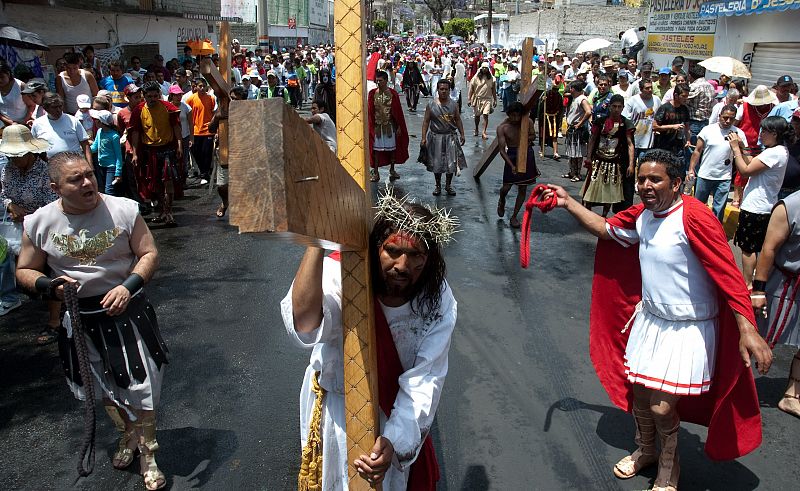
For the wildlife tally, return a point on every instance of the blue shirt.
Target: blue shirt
(109, 152)
(785, 110)
(116, 87)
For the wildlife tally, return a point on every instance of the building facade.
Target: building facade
(134, 27)
(761, 33)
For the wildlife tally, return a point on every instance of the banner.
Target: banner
(675, 28)
(245, 9)
(720, 8)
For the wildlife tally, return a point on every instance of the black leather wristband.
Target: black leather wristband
(759, 286)
(42, 284)
(133, 283)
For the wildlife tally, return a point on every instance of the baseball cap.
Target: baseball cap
(33, 86)
(626, 74)
(665, 71)
(784, 80)
(103, 116)
(235, 41)
(131, 88)
(485, 64)
(175, 89)
(84, 102)
(272, 73)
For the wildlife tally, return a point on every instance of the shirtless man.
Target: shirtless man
(508, 141)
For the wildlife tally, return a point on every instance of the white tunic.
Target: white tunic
(672, 343)
(422, 346)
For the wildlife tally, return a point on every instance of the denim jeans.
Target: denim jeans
(8, 282)
(704, 188)
(694, 128)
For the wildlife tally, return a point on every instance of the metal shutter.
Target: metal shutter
(771, 60)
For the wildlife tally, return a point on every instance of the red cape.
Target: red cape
(730, 409)
(372, 66)
(401, 137)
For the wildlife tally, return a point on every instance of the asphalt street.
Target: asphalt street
(522, 408)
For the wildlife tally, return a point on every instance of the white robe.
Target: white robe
(422, 346)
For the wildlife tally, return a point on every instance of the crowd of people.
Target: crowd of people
(665, 132)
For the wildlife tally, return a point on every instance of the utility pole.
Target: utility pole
(262, 17)
(489, 31)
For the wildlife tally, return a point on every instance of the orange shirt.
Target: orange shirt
(202, 111)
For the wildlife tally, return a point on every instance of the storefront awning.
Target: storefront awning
(727, 8)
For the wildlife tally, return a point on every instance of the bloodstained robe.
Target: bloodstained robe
(730, 409)
(412, 363)
(400, 154)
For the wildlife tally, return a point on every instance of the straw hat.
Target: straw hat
(760, 96)
(18, 141)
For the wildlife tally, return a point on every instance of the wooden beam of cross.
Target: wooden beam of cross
(528, 90)
(278, 185)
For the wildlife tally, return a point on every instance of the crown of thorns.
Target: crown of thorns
(440, 228)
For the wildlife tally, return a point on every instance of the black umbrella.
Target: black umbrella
(17, 38)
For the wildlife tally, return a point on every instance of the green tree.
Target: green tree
(380, 26)
(460, 26)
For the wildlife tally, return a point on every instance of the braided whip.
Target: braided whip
(84, 367)
(534, 201)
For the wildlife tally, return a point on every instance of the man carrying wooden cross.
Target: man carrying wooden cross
(415, 314)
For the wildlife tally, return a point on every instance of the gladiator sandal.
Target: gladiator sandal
(647, 453)
(791, 398)
(123, 456)
(153, 477)
(669, 468)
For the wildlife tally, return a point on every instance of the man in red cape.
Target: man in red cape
(674, 230)
(388, 137)
(415, 314)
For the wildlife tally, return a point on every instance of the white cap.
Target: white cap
(84, 101)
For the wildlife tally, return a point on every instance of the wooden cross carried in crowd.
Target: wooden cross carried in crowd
(220, 81)
(528, 89)
(284, 180)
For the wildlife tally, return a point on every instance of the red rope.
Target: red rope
(535, 200)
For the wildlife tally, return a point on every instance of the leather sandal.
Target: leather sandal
(437, 191)
(669, 468)
(450, 191)
(124, 455)
(646, 454)
(786, 400)
(148, 446)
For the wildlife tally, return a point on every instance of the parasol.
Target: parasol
(18, 38)
(201, 47)
(592, 45)
(726, 66)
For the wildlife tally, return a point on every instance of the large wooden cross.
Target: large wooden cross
(286, 182)
(528, 89)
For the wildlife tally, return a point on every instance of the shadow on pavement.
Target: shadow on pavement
(616, 428)
(190, 456)
(475, 479)
(770, 390)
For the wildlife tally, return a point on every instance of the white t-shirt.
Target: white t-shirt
(641, 114)
(631, 91)
(714, 118)
(64, 134)
(716, 163)
(186, 123)
(762, 189)
(629, 38)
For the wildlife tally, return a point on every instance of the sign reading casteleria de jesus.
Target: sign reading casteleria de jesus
(675, 26)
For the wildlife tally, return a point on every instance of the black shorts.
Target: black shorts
(751, 231)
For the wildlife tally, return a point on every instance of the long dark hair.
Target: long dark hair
(427, 291)
(784, 133)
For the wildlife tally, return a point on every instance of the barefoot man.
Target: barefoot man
(685, 351)
(508, 141)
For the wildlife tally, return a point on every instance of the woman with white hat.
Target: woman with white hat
(26, 188)
(755, 108)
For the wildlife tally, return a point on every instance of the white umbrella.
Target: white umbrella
(592, 45)
(726, 66)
